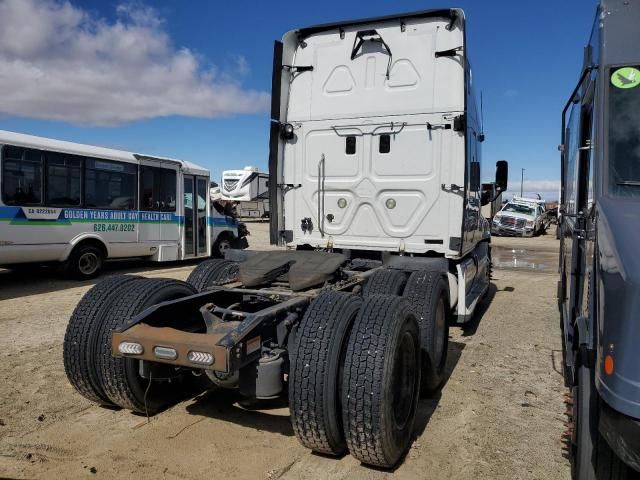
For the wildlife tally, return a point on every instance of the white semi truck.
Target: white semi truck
(375, 191)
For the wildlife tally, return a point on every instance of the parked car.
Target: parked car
(521, 217)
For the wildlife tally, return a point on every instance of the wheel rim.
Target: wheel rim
(404, 380)
(88, 263)
(441, 326)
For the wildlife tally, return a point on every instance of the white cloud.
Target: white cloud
(534, 185)
(548, 189)
(60, 62)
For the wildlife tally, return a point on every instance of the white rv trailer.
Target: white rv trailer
(79, 205)
(249, 189)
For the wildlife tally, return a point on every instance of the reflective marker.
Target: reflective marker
(608, 364)
(201, 358)
(130, 348)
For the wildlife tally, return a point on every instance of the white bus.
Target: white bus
(79, 205)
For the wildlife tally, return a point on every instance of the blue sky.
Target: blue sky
(526, 60)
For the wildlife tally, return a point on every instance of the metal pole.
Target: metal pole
(521, 182)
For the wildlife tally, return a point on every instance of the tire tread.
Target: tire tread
(112, 370)
(363, 384)
(78, 349)
(385, 281)
(213, 272)
(320, 338)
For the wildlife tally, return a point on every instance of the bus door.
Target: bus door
(158, 205)
(195, 205)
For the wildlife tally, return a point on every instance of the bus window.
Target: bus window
(21, 176)
(157, 189)
(110, 184)
(64, 173)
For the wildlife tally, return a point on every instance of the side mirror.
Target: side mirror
(502, 175)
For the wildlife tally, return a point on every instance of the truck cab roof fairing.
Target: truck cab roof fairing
(451, 13)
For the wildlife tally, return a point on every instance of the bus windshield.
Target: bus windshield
(624, 132)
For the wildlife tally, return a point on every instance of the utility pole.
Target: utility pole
(521, 182)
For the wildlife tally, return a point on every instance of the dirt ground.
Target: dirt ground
(499, 415)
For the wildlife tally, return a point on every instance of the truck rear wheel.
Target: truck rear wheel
(213, 272)
(381, 381)
(120, 377)
(593, 458)
(427, 295)
(78, 348)
(316, 371)
(385, 281)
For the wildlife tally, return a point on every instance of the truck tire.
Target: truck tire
(84, 262)
(119, 376)
(78, 348)
(381, 381)
(593, 458)
(213, 272)
(385, 281)
(428, 298)
(316, 371)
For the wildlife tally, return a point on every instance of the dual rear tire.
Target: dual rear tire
(89, 364)
(354, 380)
(427, 294)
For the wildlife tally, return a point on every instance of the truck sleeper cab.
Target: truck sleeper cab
(375, 191)
(599, 214)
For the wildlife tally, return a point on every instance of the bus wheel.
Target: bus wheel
(381, 381)
(213, 272)
(221, 245)
(316, 371)
(120, 377)
(427, 295)
(85, 262)
(80, 337)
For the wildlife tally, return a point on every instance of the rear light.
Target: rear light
(166, 353)
(130, 348)
(200, 358)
